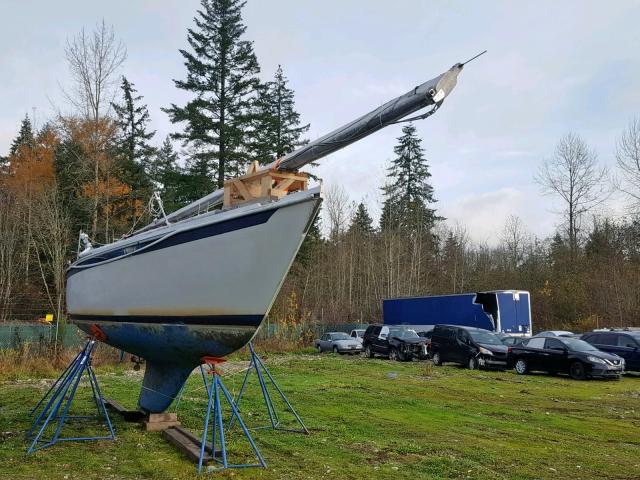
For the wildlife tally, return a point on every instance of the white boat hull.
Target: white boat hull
(199, 288)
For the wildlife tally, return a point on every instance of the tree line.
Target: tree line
(95, 167)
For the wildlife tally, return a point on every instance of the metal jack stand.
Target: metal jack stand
(213, 390)
(63, 392)
(260, 369)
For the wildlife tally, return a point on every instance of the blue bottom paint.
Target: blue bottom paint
(161, 384)
(171, 352)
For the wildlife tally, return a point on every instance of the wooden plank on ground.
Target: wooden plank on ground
(127, 415)
(185, 441)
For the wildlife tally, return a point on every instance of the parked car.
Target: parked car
(397, 343)
(473, 347)
(564, 355)
(426, 335)
(357, 334)
(555, 333)
(338, 342)
(624, 343)
(510, 340)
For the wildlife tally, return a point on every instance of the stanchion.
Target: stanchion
(256, 364)
(63, 391)
(214, 388)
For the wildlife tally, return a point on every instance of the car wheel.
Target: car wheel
(436, 359)
(521, 366)
(319, 348)
(368, 352)
(393, 355)
(472, 363)
(577, 371)
(335, 349)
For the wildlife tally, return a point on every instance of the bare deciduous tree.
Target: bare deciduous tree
(10, 258)
(628, 157)
(339, 210)
(94, 60)
(573, 175)
(513, 238)
(50, 240)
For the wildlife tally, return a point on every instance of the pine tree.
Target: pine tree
(168, 178)
(361, 223)
(72, 176)
(135, 154)
(222, 75)
(389, 217)
(309, 248)
(408, 195)
(132, 119)
(25, 136)
(277, 127)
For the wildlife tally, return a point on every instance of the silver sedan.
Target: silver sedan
(338, 342)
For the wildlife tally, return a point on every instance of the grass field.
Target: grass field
(369, 419)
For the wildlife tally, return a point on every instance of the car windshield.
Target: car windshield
(402, 333)
(340, 336)
(577, 345)
(359, 333)
(485, 337)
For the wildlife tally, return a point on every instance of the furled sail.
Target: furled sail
(431, 93)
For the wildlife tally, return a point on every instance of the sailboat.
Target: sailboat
(199, 282)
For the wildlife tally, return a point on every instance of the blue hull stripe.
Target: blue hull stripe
(201, 320)
(178, 238)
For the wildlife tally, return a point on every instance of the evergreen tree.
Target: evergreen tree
(408, 195)
(132, 119)
(361, 222)
(25, 136)
(310, 246)
(168, 178)
(71, 178)
(222, 75)
(277, 126)
(389, 217)
(134, 152)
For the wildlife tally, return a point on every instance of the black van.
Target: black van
(473, 347)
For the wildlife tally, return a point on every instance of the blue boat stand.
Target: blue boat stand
(214, 388)
(261, 370)
(63, 391)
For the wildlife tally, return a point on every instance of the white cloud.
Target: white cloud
(551, 67)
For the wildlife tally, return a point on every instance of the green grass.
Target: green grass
(369, 419)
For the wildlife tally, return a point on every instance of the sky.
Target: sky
(551, 68)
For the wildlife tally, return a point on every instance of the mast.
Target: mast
(429, 94)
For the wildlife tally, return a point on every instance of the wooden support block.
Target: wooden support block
(162, 417)
(262, 185)
(161, 421)
(159, 426)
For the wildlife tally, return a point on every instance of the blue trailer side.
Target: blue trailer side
(498, 311)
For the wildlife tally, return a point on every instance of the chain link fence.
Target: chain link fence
(16, 334)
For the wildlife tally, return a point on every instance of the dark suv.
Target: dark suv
(473, 347)
(396, 342)
(625, 344)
